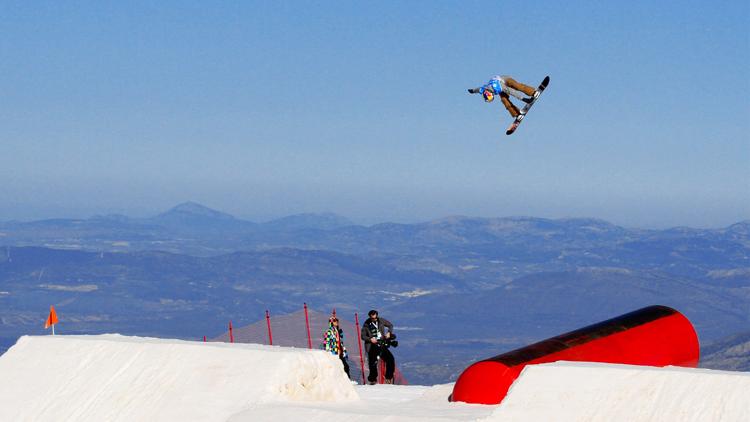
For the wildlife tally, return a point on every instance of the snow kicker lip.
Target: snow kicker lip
(654, 336)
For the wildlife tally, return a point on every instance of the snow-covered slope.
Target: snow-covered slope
(117, 378)
(583, 391)
(111, 377)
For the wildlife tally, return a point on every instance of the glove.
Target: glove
(473, 90)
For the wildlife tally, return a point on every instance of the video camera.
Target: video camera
(388, 342)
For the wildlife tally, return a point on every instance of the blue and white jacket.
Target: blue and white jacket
(495, 85)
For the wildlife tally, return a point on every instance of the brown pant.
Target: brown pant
(518, 86)
(512, 109)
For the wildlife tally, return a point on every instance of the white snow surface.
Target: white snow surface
(112, 377)
(117, 378)
(584, 391)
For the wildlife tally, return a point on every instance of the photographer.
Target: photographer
(377, 341)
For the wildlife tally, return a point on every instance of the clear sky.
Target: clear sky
(267, 108)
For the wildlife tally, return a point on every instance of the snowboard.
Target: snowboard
(513, 126)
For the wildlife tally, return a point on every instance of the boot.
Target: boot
(389, 380)
(531, 98)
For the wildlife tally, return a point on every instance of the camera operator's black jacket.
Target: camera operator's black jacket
(366, 335)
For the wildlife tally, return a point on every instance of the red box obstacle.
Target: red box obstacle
(653, 336)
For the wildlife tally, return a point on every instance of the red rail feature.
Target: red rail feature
(652, 336)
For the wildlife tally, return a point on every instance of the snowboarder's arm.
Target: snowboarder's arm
(365, 334)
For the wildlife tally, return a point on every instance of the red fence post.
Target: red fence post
(338, 339)
(359, 343)
(231, 335)
(307, 324)
(204, 339)
(270, 334)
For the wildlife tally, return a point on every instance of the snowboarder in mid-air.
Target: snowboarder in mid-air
(504, 87)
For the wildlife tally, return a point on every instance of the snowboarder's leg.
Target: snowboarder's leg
(512, 109)
(390, 365)
(518, 86)
(372, 363)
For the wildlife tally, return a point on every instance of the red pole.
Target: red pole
(270, 334)
(307, 324)
(381, 375)
(338, 339)
(359, 343)
(204, 339)
(231, 335)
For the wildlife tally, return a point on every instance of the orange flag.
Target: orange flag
(52, 318)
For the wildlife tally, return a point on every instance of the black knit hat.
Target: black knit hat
(372, 312)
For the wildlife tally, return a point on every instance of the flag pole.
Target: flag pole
(307, 324)
(270, 333)
(51, 319)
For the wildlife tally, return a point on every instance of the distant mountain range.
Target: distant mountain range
(459, 288)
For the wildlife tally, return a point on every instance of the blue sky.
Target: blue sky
(264, 109)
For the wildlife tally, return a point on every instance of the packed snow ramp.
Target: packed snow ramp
(117, 378)
(582, 391)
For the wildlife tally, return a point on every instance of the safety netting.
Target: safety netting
(291, 330)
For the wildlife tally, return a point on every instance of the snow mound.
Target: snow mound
(112, 377)
(582, 391)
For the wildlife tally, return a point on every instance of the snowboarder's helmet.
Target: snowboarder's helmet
(488, 95)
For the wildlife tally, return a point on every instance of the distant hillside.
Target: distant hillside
(191, 211)
(731, 353)
(483, 251)
(323, 221)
